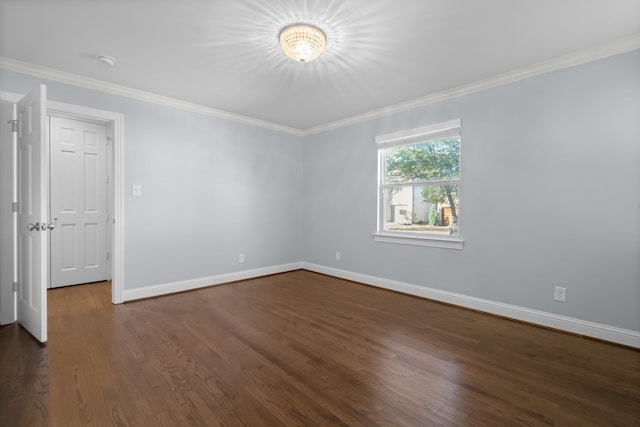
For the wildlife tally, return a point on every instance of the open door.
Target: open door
(33, 209)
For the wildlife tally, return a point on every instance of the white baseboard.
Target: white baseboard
(187, 285)
(569, 324)
(563, 323)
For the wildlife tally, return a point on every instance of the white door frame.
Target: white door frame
(115, 129)
(8, 219)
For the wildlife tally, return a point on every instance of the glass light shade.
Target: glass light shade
(302, 42)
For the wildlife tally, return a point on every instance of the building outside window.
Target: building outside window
(418, 184)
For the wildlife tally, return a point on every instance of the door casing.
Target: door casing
(115, 157)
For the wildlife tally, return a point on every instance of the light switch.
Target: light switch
(136, 190)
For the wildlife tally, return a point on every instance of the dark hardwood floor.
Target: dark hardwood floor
(304, 349)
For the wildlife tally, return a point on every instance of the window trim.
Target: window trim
(428, 240)
(420, 134)
(410, 137)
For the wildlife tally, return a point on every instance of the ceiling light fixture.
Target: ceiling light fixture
(302, 42)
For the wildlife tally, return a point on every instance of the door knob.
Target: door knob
(49, 226)
(32, 227)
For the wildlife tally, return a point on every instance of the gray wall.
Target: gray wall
(550, 195)
(211, 188)
(6, 213)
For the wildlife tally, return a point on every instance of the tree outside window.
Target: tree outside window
(419, 182)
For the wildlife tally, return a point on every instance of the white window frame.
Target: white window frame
(410, 137)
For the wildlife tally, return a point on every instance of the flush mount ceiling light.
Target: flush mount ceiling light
(302, 42)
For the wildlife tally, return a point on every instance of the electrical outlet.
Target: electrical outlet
(560, 294)
(338, 256)
(241, 258)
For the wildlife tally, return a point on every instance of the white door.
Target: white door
(33, 207)
(78, 202)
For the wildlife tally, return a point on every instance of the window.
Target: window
(418, 186)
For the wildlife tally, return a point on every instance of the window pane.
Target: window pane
(427, 161)
(430, 209)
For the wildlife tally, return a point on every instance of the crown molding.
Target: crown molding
(114, 89)
(560, 63)
(567, 61)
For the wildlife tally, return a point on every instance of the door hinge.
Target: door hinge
(14, 207)
(15, 287)
(109, 139)
(106, 179)
(14, 125)
(108, 256)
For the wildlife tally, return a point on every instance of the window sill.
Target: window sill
(431, 241)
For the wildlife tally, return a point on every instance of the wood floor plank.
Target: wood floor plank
(304, 349)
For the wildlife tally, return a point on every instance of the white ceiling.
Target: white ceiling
(226, 55)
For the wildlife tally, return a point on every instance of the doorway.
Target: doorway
(114, 123)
